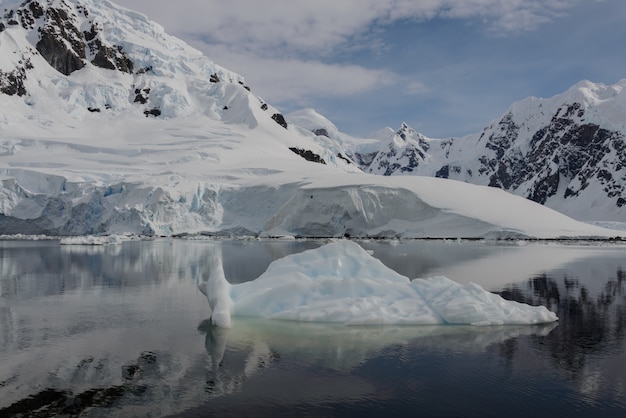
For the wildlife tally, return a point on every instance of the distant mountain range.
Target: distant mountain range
(108, 125)
(567, 152)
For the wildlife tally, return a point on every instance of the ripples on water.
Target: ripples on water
(123, 331)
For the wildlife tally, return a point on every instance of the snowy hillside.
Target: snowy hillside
(109, 125)
(567, 152)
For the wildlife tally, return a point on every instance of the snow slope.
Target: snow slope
(145, 135)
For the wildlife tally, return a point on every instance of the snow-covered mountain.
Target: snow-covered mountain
(109, 125)
(567, 152)
(402, 153)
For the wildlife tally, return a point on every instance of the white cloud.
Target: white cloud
(287, 49)
(279, 27)
(294, 80)
(416, 87)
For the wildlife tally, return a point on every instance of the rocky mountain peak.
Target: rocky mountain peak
(67, 37)
(92, 56)
(401, 154)
(567, 152)
(406, 133)
(404, 128)
(556, 160)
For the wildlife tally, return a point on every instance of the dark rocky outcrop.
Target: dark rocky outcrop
(142, 95)
(321, 132)
(280, 119)
(308, 155)
(443, 172)
(346, 159)
(112, 58)
(12, 83)
(155, 111)
(60, 41)
(109, 57)
(566, 151)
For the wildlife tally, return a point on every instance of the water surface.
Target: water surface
(122, 331)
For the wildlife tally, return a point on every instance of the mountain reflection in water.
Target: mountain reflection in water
(122, 330)
(592, 322)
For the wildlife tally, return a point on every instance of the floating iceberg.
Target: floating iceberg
(341, 283)
(94, 240)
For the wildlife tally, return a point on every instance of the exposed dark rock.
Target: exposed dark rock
(214, 78)
(58, 55)
(29, 14)
(321, 132)
(35, 8)
(142, 95)
(346, 159)
(403, 154)
(405, 132)
(546, 186)
(109, 57)
(443, 172)
(244, 86)
(264, 106)
(12, 83)
(91, 34)
(308, 155)
(364, 160)
(155, 111)
(94, 109)
(144, 70)
(389, 159)
(112, 58)
(280, 119)
(60, 42)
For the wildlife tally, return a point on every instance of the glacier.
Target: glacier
(341, 283)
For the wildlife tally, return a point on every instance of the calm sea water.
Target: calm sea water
(122, 331)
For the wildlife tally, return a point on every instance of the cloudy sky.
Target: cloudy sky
(446, 67)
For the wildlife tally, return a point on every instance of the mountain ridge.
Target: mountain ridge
(154, 138)
(566, 152)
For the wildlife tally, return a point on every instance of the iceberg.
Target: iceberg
(217, 291)
(342, 283)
